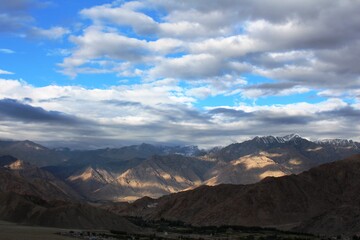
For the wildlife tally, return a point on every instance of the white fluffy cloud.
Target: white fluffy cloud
(312, 45)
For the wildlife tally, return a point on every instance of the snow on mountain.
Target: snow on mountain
(340, 143)
(271, 139)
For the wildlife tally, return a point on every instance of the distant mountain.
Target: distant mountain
(324, 199)
(341, 143)
(41, 156)
(296, 153)
(31, 152)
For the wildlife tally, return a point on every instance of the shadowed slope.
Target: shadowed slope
(24, 178)
(31, 210)
(291, 199)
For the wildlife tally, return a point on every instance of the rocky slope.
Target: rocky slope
(24, 178)
(31, 210)
(156, 176)
(30, 195)
(245, 170)
(308, 200)
(291, 150)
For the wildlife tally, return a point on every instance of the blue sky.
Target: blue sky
(178, 72)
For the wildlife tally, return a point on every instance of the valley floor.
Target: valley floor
(13, 231)
(155, 230)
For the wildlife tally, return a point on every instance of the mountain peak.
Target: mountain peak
(291, 137)
(271, 139)
(30, 145)
(340, 143)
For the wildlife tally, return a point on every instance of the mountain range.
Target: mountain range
(132, 172)
(323, 200)
(286, 182)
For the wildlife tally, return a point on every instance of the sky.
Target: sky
(88, 74)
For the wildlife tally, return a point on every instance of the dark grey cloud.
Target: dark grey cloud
(267, 118)
(230, 112)
(181, 113)
(265, 60)
(273, 10)
(349, 113)
(272, 86)
(122, 103)
(13, 109)
(170, 123)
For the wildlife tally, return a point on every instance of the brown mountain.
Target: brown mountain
(24, 178)
(306, 201)
(291, 150)
(31, 210)
(162, 175)
(240, 163)
(261, 157)
(247, 169)
(156, 176)
(132, 172)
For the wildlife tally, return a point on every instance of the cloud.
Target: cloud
(157, 112)
(299, 45)
(188, 67)
(53, 33)
(14, 16)
(186, 51)
(123, 16)
(271, 89)
(15, 110)
(4, 72)
(15, 19)
(6, 51)
(349, 113)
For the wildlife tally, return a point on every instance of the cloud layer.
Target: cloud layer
(299, 45)
(175, 59)
(157, 113)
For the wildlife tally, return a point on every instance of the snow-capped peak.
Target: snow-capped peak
(340, 143)
(271, 139)
(290, 137)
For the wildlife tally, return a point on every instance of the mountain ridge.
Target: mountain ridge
(306, 200)
(114, 174)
